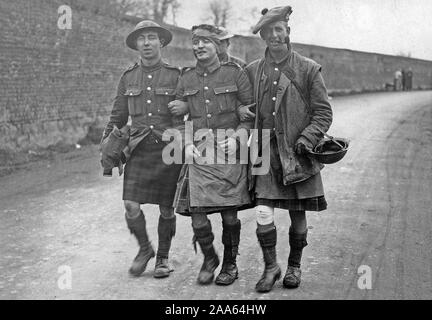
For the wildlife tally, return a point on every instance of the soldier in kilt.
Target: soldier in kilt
(143, 94)
(213, 92)
(292, 104)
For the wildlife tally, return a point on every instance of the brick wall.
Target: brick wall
(57, 84)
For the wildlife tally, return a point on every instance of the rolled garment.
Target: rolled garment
(112, 148)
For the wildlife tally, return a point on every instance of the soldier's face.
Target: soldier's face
(224, 46)
(275, 35)
(204, 49)
(149, 45)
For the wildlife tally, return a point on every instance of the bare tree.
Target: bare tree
(221, 12)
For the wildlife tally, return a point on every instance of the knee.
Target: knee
(166, 212)
(298, 221)
(199, 220)
(229, 217)
(132, 208)
(264, 214)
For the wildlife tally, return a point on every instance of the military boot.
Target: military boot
(230, 240)
(297, 242)
(204, 236)
(137, 227)
(166, 231)
(272, 271)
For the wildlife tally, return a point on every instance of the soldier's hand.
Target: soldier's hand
(191, 152)
(178, 107)
(244, 112)
(108, 163)
(303, 146)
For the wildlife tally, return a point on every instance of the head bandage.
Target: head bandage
(203, 33)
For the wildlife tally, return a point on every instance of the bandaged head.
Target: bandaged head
(208, 32)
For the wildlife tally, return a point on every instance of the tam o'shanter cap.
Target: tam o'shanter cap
(148, 25)
(272, 15)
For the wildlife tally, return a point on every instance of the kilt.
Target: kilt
(147, 179)
(182, 199)
(269, 190)
(309, 204)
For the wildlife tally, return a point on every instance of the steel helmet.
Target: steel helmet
(163, 33)
(328, 151)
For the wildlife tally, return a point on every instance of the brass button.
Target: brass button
(205, 74)
(151, 127)
(209, 115)
(148, 88)
(150, 114)
(274, 98)
(166, 92)
(207, 101)
(276, 69)
(274, 113)
(226, 90)
(275, 82)
(131, 94)
(205, 88)
(149, 76)
(148, 101)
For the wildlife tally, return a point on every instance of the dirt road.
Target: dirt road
(63, 215)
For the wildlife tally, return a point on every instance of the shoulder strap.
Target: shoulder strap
(302, 95)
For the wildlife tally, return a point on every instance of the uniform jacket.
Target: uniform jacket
(213, 95)
(303, 106)
(226, 57)
(143, 94)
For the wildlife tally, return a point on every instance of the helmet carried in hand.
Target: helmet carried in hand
(327, 151)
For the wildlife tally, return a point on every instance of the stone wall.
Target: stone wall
(56, 85)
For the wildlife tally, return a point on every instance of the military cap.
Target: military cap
(224, 34)
(148, 25)
(272, 15)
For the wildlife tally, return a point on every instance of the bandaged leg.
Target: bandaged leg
(264, 218)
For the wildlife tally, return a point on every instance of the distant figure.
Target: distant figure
(403, 80)
(408, 79)
(223, 54)
(397, 80)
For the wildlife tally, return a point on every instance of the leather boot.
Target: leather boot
(272, 271)
(166, 231)
(137, 227)
(205, 237)
(230, 240)
(297, 242)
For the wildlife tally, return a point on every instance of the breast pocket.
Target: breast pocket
(134, 100)
(163, 97)
(226, 97)
(191, 96)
